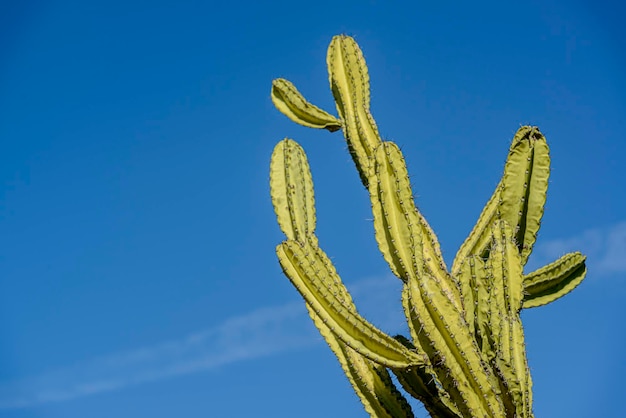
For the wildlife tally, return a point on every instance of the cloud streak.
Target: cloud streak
(605, 249)
(266, 332)
(259, 333)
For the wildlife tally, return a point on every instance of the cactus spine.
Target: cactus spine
(466, 356)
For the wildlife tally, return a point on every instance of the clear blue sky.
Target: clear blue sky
(137, 268)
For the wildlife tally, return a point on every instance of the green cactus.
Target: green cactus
(466, 356)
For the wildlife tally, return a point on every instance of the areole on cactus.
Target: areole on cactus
(466, 356)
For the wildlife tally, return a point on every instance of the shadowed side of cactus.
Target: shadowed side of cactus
(466, 355)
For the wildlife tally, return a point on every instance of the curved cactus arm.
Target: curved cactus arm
(290, 102)
(291, 187)
(312, 273)
(407, 242)
(378, 393)
(554, 280)
(519, 197)
(370, 380)
(441, 331)
(524, 186)
(422, 383)
(349, 83)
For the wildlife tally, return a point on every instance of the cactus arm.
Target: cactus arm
(519, 197)
(293, 198)
(314, 277)
(444, 336)
(406, 240)
(370, 381)
(377, 388)
(383, 398)
(554, 280)
(396, 236)
(422, 331)
(524, 186)
(291, 187)
(476, 287)
(308, 267)
(290, 102)
(349, 83)
(504, 264)
(432, 301)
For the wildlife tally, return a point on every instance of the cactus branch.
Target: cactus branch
(555, 280)
(315, 278)
(519, 197)
(524, 186)
(404, 237)
(291, 188)
(349, 83)
(292, 104)
(370, 380)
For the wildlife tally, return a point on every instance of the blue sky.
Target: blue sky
(137, 268)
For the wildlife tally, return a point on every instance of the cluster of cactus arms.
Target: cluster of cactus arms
(466, 355)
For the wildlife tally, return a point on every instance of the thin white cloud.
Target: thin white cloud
(267, 331)
(260, 333)
(614, 260)
(605, 249)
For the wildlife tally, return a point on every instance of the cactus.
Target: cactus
(466, 356)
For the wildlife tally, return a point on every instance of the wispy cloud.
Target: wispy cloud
(605, 249)
(256, 334)
(266, 331)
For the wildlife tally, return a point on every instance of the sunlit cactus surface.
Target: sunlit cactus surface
(465, 356)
